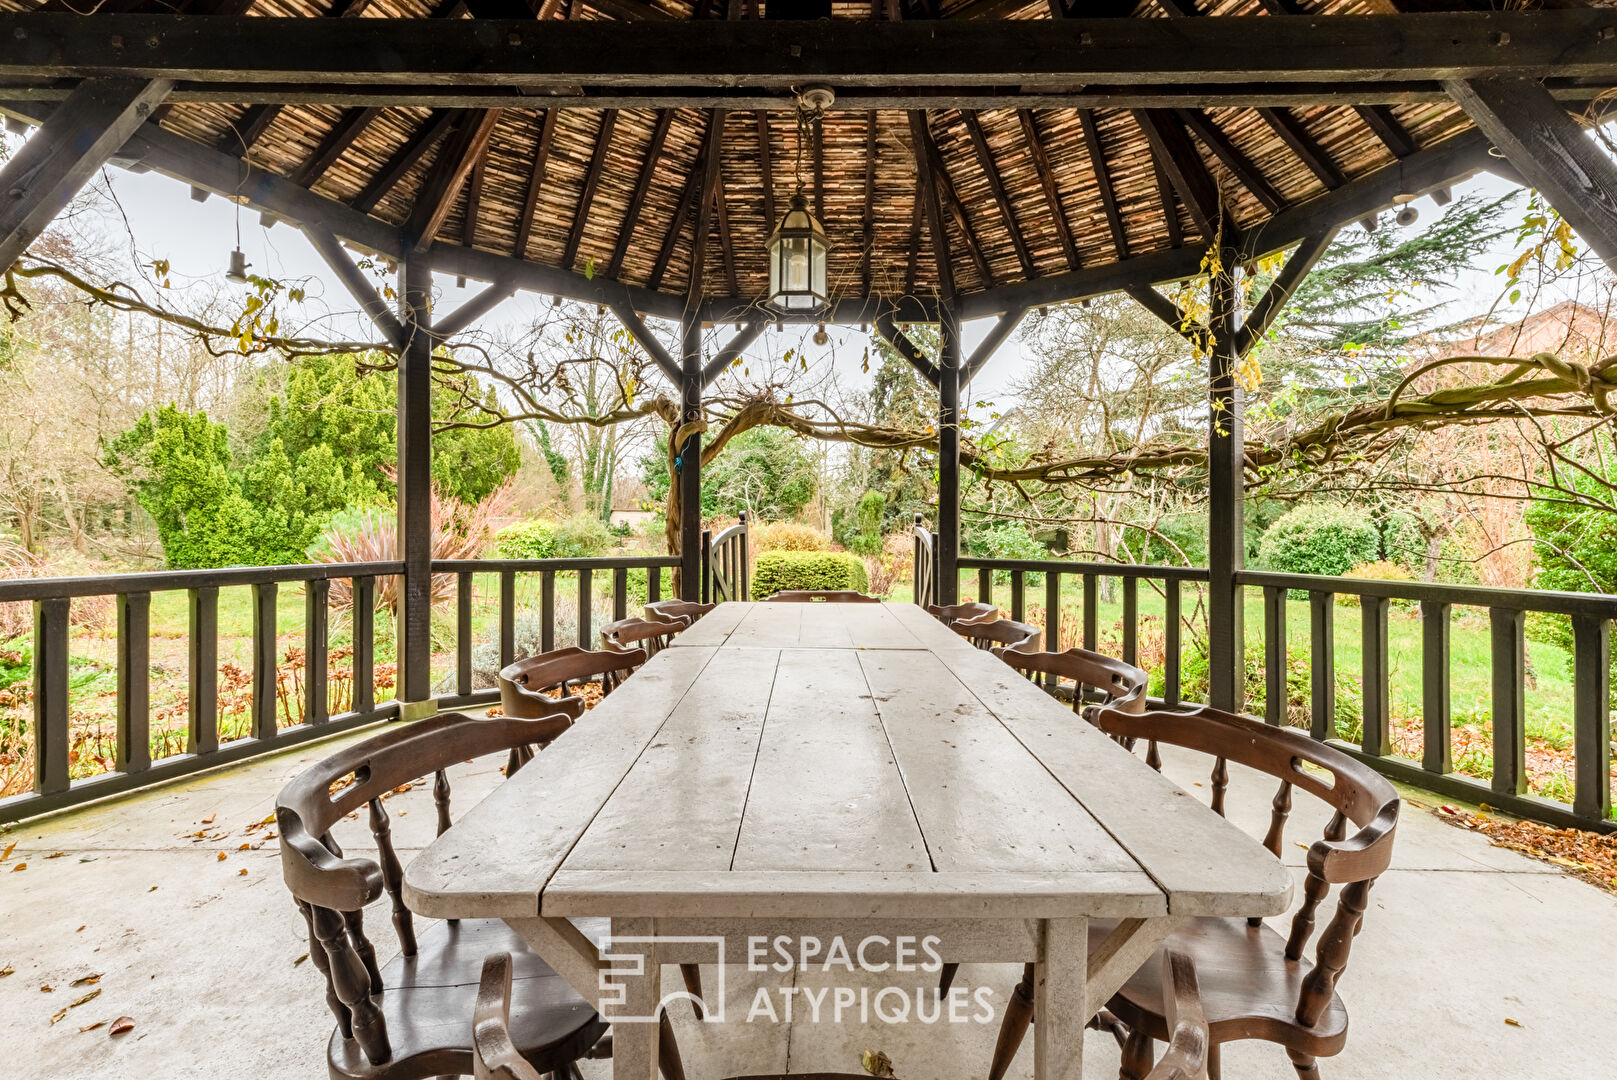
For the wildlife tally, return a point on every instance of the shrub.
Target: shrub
(785, 536)
(895, 562)
(582, 536)
(1319, 539)
(777, 570)
(1377, 571)
(1006, 540)
(531, 539)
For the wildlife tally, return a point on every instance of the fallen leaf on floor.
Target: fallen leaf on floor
(92, 1027)
(56, 855)
(47, 989)
(1583, 854)
(300, 959)
(9, 849)
(88, 980)
(60, 1013)
(121, 1025)
(91, 996)
(152, 889)
(80, 930)
(1513, 1023)
(7, 970)
(242, 872)
(19, 866)
(244, 847)
(876, 1063)
(222, 856)
(209, 819)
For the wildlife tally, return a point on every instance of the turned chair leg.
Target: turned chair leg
(1306, 1065)
(946, 978)
(1012, 1029)
(1139, 1054)
(1215, 1061)
(693, 983)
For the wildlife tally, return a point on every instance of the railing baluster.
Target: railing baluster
(1322, 663)
(264, 704)
(363, 616)
(1018, 595)
(1171, 627)
(508, 616)
(134, 753)
(1591, 718)
(51, 733)
(203, 653)
(584, 612)
(316, 699)
(620, 593)
(1052, 621)
(985, 585)
(1091, 613)
(1508, 641)
(1131, 618)
(654, 584)
(1276, 693)
(1436, 752)
(547, 610)
(1377, 738)
(707, 568)
(463, 633)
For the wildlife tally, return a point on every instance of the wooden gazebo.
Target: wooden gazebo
(981, 157)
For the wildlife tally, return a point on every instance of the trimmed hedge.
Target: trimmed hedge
(531, 539)
(777, 570)
(1320, 539)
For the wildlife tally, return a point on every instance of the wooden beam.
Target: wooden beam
(1103, 182)
(642, 185)
(630, 9)
(1170, 206)
(766, 167)
(592, 181)
(443, 181)
(630, 318)
(996, 187)
(687, 198)
(349, 127)
(1160, 306)
(867, 220)
(536, 181)
(997, 334)
(404, 159)
(704, 205)
(905, 347)
(917, 209)
(45, 173)
(1236, 162)
(1553, 152)
(1380, 119)
(1274, 298)
(721, 213)
(359, 287)
(927, 195)
(474, 201)
(246, 130)
(1184, 166)
(1312, 154)
(732, 350)
(469, 312)
(818, 150)
(1052, 198)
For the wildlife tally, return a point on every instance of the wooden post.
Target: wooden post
(414, 636)
(1226, 647)
(948, 552)
(690, 456)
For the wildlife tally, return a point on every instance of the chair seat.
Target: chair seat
(1248, 989)
(429, 998)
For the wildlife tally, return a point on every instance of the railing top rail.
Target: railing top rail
(605, 562)
(738, 529)
(1066, 566)
(25, 589)
(1560, 603)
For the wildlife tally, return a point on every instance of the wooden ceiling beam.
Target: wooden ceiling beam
(349, 127)
(443, 181)
(435, 127)
(867, 219)
(1184, 166)
(1274, 298)
(926, 194)
(887, 328)
(693, 185)
(1103, 182)
(733, 349)
(642, 185)
(951, 198)
(1380, 119)
(1213, 137)
(1311, 153)
(705, 200)
(1170, 206)
(486, 300)
(766, 167)
(1047, 181)
(632, 322)
(536, 181)
(330, 250)
(721, 213)
(996, 187)
(592, 182)
(474, 201)
(247, 129)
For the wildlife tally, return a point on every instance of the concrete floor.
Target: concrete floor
(206, 955)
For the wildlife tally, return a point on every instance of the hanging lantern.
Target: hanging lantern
(797, 261)
(238, 267)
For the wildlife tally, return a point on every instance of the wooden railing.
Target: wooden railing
(925, 582)
(726, 564)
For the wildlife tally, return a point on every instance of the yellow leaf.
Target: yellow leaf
(60, 1013)
(9, 849)
(91, 996)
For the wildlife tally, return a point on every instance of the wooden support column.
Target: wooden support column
(949, 380)
(690, 456)
(97, 118)
(1226, 489)
(414, 637)
(1552, 151)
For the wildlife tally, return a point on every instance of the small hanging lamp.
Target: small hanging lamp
(797, 248)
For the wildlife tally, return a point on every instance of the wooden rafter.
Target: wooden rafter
(536, 180)
(1047, 181)
(996, 187)
(1170, 206)
(1236, 162)
(867, 219)
(592, 181)
(1308, 151)
(474, 200)
(359, 287)
(1380, 119)
(1184, 166)
(443, 181)
(926, 193)
(721, 212)
(705, 200)
(687, 198)
(435, 127)
(766, 169)
(642, 185)
(917, 210)
(348, 128)
(951, 199)
(1103, 182)
(1274, 298)
(241, 136)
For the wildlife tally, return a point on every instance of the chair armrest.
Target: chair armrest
(494, 1055)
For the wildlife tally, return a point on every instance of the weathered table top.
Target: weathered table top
(849, 760)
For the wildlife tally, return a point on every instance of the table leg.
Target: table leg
(1060, 995)
(635, 1043)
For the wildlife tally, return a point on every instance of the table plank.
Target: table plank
(983, 801)
(680, 806)
(826, 794)
(813, 625)
(497, 858)
(712, 629)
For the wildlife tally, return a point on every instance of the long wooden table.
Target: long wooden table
(840, 770)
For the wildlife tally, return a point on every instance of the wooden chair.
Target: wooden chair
(1000, 635)
(1120, 685)
(821, 596)
(1255, 983)
(673, 610)
(391, 1019)
(652, 635)
(970, 611)
(524, 682)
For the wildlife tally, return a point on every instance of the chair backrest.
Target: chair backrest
(1121, 685)
(821, 596)
(970, 611)
(648, 634)
(494, 1054)
(1356, 792)
(524, 684)
(331, 891)
(1000, 634)
(674, 610)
